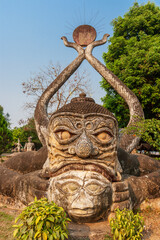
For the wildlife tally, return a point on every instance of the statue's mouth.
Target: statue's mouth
(85, 166)
(85, 215)
(76, 212)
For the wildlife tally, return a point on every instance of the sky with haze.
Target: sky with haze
(30, 38)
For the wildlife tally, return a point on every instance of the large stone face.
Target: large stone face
(83, 139)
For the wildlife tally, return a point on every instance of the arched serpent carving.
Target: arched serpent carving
(41, 116)
(127, 142)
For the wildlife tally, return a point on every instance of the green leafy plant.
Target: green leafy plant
(133, 55)
(126, 225)
(41, 220)
(107, 237)
(5, 135)
(148, 130)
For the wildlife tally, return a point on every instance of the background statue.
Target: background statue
(86, 169)
(18, 147)
(29, 146)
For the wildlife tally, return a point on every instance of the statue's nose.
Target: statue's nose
(82, 202)
(84, 146)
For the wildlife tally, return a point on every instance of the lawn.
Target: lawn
(6, 222)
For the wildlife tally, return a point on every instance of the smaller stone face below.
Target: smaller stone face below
(85, 196)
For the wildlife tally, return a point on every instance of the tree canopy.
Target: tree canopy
(5, 132)
(134, 56)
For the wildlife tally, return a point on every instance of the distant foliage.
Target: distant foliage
(149, 130)
(5, 133)
(134, 56)
(41, 220)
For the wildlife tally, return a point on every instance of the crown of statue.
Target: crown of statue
(83, 105)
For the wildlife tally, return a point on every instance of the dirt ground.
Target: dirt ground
(151, 219)
(152, 224)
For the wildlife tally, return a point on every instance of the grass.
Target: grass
(6, 222)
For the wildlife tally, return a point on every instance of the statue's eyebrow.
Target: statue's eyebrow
(102, 124)
(105, 124)
(63, 122)
(96, 178)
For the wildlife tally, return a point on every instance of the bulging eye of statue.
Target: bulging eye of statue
(63, 135)
(104, 136)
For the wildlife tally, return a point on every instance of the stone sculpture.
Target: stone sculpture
(86, 170)
(18, 147)
(29, 146)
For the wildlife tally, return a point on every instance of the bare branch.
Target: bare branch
(37, 84)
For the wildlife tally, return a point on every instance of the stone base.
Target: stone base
(88, 231)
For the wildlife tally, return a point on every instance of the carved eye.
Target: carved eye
(95, 188)
(104, 137)
(69, 188)
(63, 135)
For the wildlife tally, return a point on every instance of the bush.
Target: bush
(148, 130)
(126, 225)
(5, 135)
(41, 220)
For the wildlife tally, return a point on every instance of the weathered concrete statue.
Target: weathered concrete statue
(29, 146)
(18, 147)
(86, 168)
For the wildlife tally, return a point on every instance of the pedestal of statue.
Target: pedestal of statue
(88, 231)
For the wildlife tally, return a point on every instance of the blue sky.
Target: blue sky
(30, 38)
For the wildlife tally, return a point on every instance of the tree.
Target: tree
(6, 116)
(148, 130)
(134, 56)
(5, 133)
(39, 82)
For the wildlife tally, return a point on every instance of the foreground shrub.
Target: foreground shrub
(126, 225)
(41, 220)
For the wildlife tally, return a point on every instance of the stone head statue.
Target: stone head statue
(82, 139)
(85, 133)
(82, 152)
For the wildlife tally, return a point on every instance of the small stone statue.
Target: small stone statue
(29, 146)
(18, 147)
